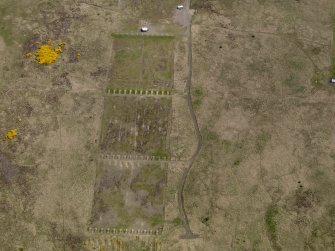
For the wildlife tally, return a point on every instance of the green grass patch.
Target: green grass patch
(156, 219)
(158, 63)
(197, 95)
(271, 222)
(289, 19)
(207, 5)
(161, 153)
(237, 162)
(146, 183)
(209, 135)
(143, 61)
(261, 2)
(9, 30)
(127, 61)
(296, 65)
(177, 221)
(316, 50)
(117, 122)
(152, 126)
(331, 212)
(125, 55)
(227, 145)
(261, 141)
(196, 103)
(293, 83)
(6, 34)
(255, 245)
(142, 186)
(197, 92)
(152, 171)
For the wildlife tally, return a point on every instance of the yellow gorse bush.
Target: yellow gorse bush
(46, 54)
(11, 134)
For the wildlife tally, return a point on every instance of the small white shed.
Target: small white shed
(180, 7)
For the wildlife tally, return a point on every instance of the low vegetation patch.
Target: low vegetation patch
(261, 141)
(136, 125)
(271, 222)
(177, 221)
(142, 62)
(123, 198)
(209, 135)
(197, 95)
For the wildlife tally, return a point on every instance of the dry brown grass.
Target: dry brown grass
(264, 177)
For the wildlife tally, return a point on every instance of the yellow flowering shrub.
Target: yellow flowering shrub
(46, 54)
(11, 134)
(58, 50)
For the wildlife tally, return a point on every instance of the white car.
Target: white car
(332, 81)
(180, 7)
(144, 29)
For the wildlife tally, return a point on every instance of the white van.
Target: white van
(144, 29)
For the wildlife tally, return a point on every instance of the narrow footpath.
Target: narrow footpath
(189, 234)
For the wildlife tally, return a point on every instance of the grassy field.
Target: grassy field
(143, 130)
(153, 126)
(144, 62)
(118, 125)
(129, 198)
(264, 178)
(12, 29)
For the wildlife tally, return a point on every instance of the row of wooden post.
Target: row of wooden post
(140, 157)
(123, 231)
(138, 92)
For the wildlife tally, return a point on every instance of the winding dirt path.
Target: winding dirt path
(189, 234)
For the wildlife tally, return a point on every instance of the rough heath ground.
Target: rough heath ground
(265, 175)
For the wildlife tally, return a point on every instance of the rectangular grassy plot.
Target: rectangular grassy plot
(129, 197)
(118, 125)
(127, 60)
(142, 62)
(158, 63)
(152, 124)
(136, 125)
